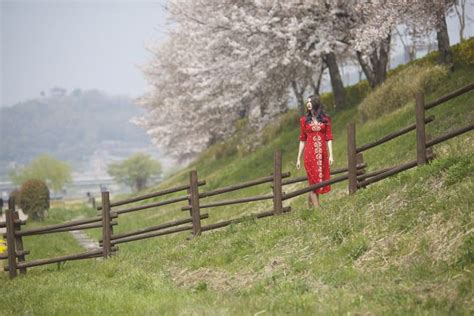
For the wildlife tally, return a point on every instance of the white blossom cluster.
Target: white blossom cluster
(380, 17)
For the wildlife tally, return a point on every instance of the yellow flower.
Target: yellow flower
(3, 246)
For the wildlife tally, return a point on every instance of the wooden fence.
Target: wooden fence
(110, 211)
(423, 144)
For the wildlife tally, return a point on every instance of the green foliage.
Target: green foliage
(354, 95)
(34, 198)
(464, 52)
(397, 90)
(46, 168)
(462, 168)
(135, 171)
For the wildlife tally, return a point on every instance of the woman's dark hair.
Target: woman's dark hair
(317, 110)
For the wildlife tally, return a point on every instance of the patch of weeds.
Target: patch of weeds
(338, 276)
(433, 303)
(201, 287)
(338, 235)
(443, 164)
(300, 287)
(307, 214)
(139, 282)
(229, 257)
(110, 270)
(299, 266)
(460, 170)
(465, 287)
(466, 252)
(420, 268)
(243, 243)
(405, 220)
(358, 250)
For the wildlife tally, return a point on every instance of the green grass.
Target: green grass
(402, 246)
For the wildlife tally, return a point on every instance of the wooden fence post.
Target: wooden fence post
(194, 198)
(106, 228)
(277, 184)
(352, 157)
(18, 239)
(93, 203)
(10, 223)
(420, 129)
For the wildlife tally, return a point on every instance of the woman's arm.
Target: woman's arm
(331, 160)
(300, 152)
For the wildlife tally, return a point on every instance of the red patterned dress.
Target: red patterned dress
(316, 156)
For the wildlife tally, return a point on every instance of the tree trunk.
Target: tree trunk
(299, 97)
(375, 68)
(461, 13)
(336, 81)
(317, 85)
(140, 184)
(445, 56)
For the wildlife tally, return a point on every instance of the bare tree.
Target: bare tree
(460, 9)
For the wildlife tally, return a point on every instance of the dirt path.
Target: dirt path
(85, 241)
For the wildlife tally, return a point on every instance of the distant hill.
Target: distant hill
(70, 126)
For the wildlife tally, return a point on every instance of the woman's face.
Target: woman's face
(309, 106)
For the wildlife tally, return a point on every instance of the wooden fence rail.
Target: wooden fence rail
(78, 256)
(52, 228)
(151, 234)
(242, 185)
(152, 205)
(390, 172)
(422, 142)
(230, 202)
(449, 135)
(151, 195)
(17, 254)
(155, 228)
(450, 96)
(360, 171)
(239, 220)
(392, 135)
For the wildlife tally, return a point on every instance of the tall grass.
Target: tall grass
(396, 91)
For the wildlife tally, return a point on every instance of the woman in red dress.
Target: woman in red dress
(316, 141)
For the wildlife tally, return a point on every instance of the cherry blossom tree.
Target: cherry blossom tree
(225, 60)
(380, 17)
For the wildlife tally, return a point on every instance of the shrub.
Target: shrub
(354, 95)
(34, 199)
(397, 90)
(464, 52)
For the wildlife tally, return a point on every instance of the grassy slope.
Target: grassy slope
(402, 245)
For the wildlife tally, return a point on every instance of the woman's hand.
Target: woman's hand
(298, 164)
(331, 160)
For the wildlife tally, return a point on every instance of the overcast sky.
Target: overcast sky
(89, 44)
(76, 44)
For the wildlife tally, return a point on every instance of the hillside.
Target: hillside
(70, 127)
(401, 246)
